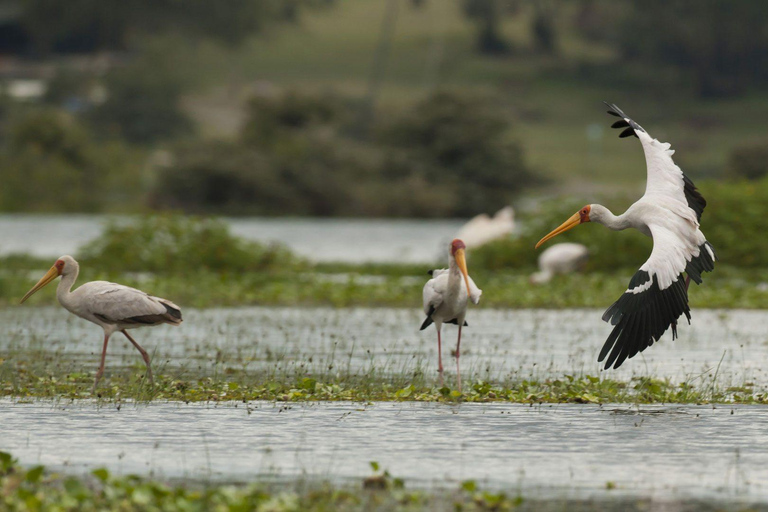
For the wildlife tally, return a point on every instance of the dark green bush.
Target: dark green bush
(142, 103)
(177, 245)
(52, 163)
(462, 143)
(749, 161)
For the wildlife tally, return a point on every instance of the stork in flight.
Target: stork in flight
(111, 306)
(445, 299)
(669, 212)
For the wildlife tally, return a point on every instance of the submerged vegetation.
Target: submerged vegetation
(38, 488)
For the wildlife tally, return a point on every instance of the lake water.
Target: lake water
(321, 240)
(498, 344)
(554, 451)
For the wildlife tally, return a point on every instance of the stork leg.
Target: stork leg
(143, 354)
(100, 371)
(458, 353)
(439, 357)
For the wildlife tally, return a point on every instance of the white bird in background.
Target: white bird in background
(560, 259)
(669, 212)
(445, 300)
(111, 306)
(482, 229)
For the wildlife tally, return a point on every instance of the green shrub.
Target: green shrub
(176, 245)
(52, 163)
(462, 142)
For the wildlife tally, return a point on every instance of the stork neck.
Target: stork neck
(608, 219)
(454, 274)
(65, 287)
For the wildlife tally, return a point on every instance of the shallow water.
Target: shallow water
(498, 344)
(322, 240)
(567, 451)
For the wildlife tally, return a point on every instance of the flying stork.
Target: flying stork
(669, 213)
(445, 299)
(111, 306)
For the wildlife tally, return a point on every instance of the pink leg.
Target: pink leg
(143, 354)
(439, 357)
(458, 372)
(100, 371)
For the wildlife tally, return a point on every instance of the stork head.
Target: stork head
(63, 266)
(580, 217)
(458, 255)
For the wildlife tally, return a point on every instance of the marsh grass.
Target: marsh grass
(38, 488)
(34, 375)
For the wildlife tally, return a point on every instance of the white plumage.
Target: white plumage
(482, 229)
(560, 259)
(445, 298)
(669, 212)
(111, 306)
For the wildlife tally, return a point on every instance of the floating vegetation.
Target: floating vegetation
(175, 385)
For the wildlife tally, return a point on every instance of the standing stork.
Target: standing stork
(669, 212)
(111, 306)
(445, 299)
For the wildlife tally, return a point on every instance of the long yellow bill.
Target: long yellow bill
(47, 278)
(572, 222)
(461, 261)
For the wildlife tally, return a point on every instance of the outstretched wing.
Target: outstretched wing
(116, 303)
(665, 178)
(656, 297)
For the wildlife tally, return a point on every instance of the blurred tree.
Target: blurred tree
(722, 44)
(450, 155)
(543, 27)
(463, 141)
(487, 15)
(142, 103)
(92, 25)
(749, 161)
(51, 163)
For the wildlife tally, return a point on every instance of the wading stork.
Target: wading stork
(113, 307)
(445, 299)
(669, 212)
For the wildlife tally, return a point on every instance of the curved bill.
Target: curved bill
(572, 222)
(461, 261)
(52, 274)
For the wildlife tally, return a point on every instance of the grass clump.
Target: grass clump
(175, 244)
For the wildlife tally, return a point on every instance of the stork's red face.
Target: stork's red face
(55, 271)
(456, 245)
(580, 217)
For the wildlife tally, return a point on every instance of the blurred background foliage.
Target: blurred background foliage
(400, 108)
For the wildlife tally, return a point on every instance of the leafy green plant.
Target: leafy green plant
(174, 244)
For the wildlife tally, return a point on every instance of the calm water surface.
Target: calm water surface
(343, 240)
(547, 451)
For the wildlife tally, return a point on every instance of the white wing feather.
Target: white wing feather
(665, 178)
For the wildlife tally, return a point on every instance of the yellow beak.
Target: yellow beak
(47, 278)
(461, 261)
(572, 222)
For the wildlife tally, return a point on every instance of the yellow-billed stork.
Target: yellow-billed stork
(111, 306)
(669, 212)
(445, 298)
